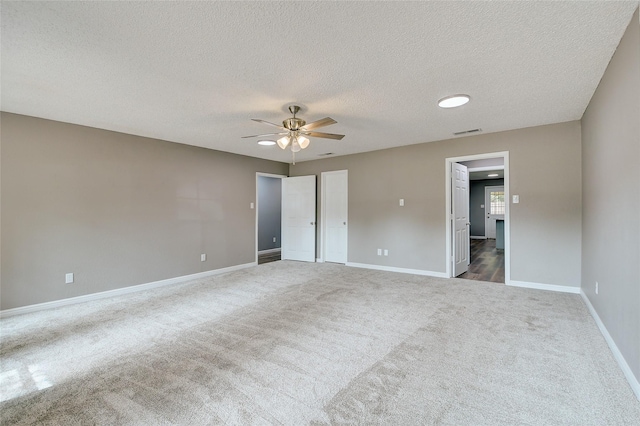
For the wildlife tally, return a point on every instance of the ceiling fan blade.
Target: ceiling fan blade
(319, 123)
(268, 122)
(266, 134)
(324, 135)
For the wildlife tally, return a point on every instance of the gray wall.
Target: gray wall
(611, 197)
(545, 226)
(476, 199)
(116, 209)
(269, 212)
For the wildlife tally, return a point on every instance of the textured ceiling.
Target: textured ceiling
(196, 72)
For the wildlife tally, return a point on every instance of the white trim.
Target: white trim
(485, 169)
(507, 221)
(394, 269)
(319, 260)
(473, 237)
(258, 174)
(548, 287)
(626, 370)
(267, 251)
(120, 291)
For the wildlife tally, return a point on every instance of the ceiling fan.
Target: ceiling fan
(295, 131)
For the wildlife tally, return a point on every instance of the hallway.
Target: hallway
(487, 262)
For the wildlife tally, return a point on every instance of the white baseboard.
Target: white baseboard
(273, 250)
(118, 292)
(626, 370)
(548, 287)
(477, 238)
(394, 269)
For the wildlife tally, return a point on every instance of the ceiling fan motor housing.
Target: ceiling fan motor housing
(293, 124)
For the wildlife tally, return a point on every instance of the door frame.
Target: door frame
(486, 219)
(323, 222)
(448, 200)
(270, 175)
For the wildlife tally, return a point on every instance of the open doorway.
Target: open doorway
(268, 217)
(487, 247)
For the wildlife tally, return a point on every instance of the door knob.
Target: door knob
(344, 223)
(311, 223)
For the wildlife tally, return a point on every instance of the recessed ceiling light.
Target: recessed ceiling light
(493, 175)
(266, 143)
(453, 101)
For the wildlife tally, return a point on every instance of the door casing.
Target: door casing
(257, 204)
(448, 200)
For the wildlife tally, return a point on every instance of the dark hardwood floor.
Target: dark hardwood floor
(268, 257)
(487, 262)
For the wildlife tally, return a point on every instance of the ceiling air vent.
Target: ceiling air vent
(466, 132)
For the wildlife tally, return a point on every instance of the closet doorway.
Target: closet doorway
(268, 217)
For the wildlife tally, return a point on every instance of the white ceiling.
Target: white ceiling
(196, 72)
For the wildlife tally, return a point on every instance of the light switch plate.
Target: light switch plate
(203, 257)
(516, 199)
(401, 202)
(68, 278)
(252, 205)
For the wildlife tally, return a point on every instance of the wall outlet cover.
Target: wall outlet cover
(68, 278)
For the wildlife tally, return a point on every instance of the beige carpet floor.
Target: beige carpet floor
(291, 343)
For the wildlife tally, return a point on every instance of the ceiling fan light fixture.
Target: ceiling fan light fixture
(303, 142)
(453, 101)
(295, 146)
(295, 131)
(283, 142)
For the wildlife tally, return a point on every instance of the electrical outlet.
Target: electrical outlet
(596, 287)
(401, 202)
(379, 252)
(251, 205)
(386, 252)
(274, 239)
(68, 278)
(203, 257)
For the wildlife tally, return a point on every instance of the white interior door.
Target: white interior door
(460, 217)
(334, 223)
(494, 204)
(299, 218)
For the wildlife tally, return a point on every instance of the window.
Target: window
(497, 203)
